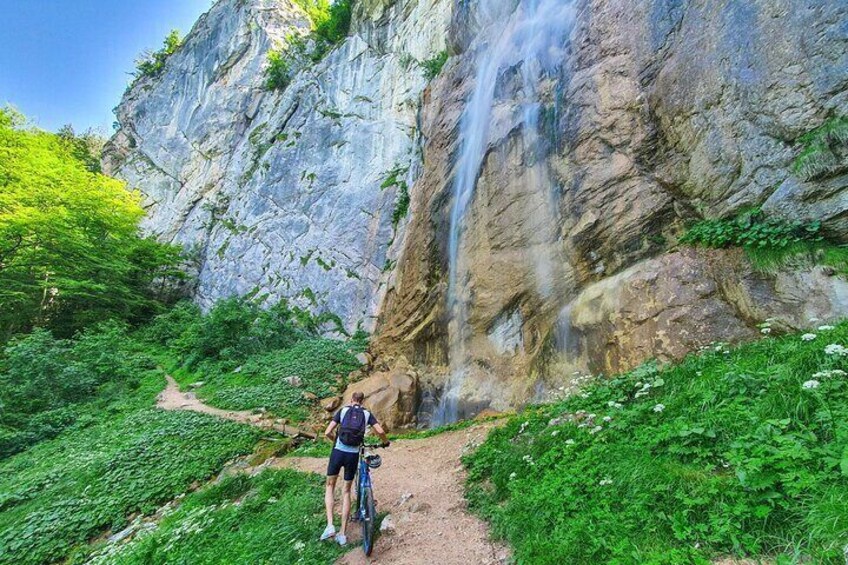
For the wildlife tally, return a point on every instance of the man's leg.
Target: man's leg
(346, 488)
(329, 495)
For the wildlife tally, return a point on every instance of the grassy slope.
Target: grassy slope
(128, 458)
(321, 364)
(274, 517)
(724, 453)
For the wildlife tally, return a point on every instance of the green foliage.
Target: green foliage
(126, 458)
(86, 148)
(769, 242)
(70, 252)
(729, 452)
(434, 65)
(44, 381)
(330, 25)
(824, 150)
(242, 353)
(269, 518)
(753, 229)
(395, 178)
(279, 70)
(152, 64)
(321, 365)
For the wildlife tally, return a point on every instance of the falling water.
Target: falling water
(530, 41)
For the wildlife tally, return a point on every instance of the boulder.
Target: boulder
(392, 396)
(293, 380)
(331, 404)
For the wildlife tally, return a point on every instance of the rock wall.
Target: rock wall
(278, 194)
(664, 112)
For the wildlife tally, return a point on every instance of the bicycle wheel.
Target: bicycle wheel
(368, 521)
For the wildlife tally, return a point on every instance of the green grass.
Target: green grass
(322, 365)
(725, 453)
(123, 459)
(274, 517)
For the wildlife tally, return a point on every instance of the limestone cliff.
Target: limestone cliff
(278, 194)
(647, 116)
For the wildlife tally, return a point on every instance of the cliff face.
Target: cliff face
(663, 112)
(279, 194)
(598, 148)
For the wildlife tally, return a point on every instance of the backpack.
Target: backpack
(352, 431)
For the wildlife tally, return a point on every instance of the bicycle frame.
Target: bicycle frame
(363, 481)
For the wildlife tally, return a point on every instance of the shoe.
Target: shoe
(329, 532)
(342, 539)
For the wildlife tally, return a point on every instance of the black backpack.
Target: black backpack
(353, 427)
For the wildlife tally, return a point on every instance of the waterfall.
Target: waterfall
(531, 41)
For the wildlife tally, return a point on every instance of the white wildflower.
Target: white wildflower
(299, 545)
(596, 429)
(836, 349)
(829, 374)
(555, 433)
(512, 476)
(614, 404)
(659, 408)
(607, 418)
(529, 459)
(826, 328)
(811, 384)
(569, 442)
(765, 331)
(605, 482)
(808, 337)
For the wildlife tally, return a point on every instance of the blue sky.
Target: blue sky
(67, 61)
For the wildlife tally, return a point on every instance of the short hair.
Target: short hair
(358, 397)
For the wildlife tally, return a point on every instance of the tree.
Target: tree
(70, 250)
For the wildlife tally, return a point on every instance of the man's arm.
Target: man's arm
(328, 433)
(382, 433)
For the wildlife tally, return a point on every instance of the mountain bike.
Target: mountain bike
(366, 508)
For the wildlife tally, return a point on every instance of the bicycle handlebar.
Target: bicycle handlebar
(374, 446)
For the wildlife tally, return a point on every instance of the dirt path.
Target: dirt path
(173, 399)
(420, 486)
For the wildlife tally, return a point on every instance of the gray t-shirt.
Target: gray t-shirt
(339, 417)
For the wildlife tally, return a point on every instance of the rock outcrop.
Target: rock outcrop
(392, 396)
(661, 112)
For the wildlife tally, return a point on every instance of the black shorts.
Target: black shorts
(339, 459)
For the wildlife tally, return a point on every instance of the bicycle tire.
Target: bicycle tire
(368, 521)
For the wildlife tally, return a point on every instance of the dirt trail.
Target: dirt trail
(173, 399)
(420, 486)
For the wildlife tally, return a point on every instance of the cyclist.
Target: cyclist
(352, 421)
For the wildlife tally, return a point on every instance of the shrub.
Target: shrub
(395, 178)
(278, 72)
(433, 66)
(152, 64)
(769, 242)
(740, 452)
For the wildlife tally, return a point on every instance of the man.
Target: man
(352, 421)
